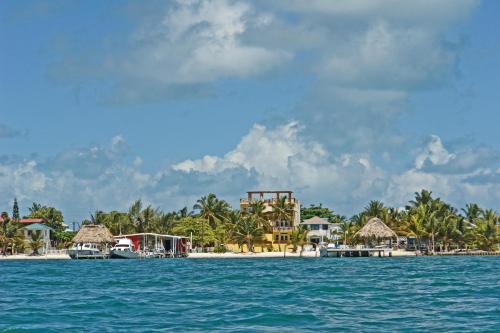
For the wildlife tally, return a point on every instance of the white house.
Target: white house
(321, 230)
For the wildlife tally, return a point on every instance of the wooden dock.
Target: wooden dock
(351, 252)
(469, 253)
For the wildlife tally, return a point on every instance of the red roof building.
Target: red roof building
(27, 220)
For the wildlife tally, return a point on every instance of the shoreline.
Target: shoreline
(42, 257)
(246, 255)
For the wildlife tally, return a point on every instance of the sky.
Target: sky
(342, 102)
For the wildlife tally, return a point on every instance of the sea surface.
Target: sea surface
(414, 294)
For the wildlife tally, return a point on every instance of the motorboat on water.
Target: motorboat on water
(124, 249)
(86, 251)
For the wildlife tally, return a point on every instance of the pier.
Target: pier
(352, 252)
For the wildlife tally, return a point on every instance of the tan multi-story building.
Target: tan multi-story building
(281, 228)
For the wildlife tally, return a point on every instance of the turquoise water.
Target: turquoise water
(440, 294)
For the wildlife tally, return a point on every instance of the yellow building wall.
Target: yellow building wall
(263, 246)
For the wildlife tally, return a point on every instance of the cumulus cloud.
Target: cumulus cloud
(98, 177)
(178, 51)
(433, 153)
(366, 59)
(467, 174)
(199, 41)
(282, 158)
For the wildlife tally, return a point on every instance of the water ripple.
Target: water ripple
(442, 294)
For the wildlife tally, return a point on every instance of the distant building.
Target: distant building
(281, 229)
(321, 230)
(27, 221)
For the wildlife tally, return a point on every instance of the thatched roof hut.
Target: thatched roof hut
(93, 234)
(376, 229)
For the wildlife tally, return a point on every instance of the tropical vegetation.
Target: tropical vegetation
(433, 224)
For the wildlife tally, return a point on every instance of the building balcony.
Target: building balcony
(282, 229)
(273, 201)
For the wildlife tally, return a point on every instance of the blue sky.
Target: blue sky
(342, 102)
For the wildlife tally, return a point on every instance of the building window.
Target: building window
(325, 227)
(314, 227)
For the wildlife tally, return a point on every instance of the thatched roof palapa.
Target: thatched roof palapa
(375, 228)
(93, 234)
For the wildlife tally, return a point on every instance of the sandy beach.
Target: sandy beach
(305, 254)
(42, 257)
(227, 255)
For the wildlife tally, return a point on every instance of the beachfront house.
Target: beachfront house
(43, 232)
(320, 230)
(282, 221)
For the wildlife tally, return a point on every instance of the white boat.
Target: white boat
(86, 251)
(124, 249)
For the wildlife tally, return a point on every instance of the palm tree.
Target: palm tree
(472, 212)
(346, 229)
(486, 235)
(4, 239)
(14, 236)
(257, 208)
(448, 231)
(36, 242)
(375, 208)
(248, 231)
(299, 238)
(134, 215)
(209, 210)
(415, 224)
(148, 217)
(97, 217)
(424, 197)
(34, 208)
(283, 213)
(490, 215)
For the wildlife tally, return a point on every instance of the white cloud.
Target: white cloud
(283, 158)
(199, 41)
(265, 158)
(390, 57)
(434, 153)
(458, 176)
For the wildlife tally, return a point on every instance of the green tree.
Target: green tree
(202, 235)
(424, 197)
(212, 210)
(15, 210)
(36, 242)
(134, 216)
(375, 208)
(283, 213)
(472, 212)
(486, 235)
(319, 211)
(248, 231)
(415, 224)
(50, 215)
(299, 238)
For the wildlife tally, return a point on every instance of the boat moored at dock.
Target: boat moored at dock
(124, 249)
(149, 245)
(87, 251)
